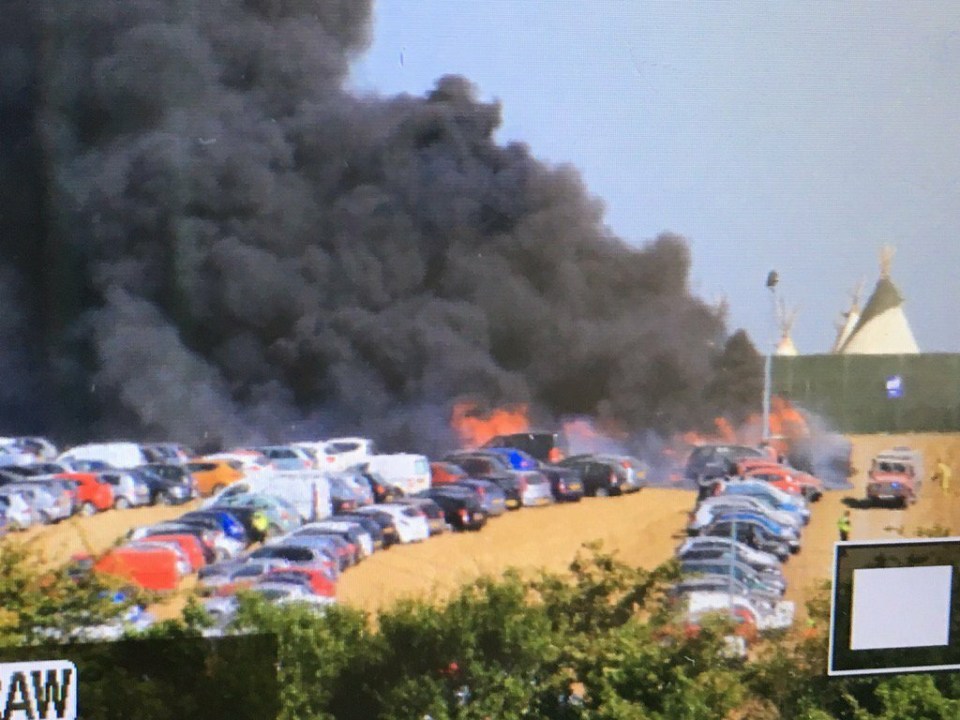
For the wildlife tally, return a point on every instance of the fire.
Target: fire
(475, 427)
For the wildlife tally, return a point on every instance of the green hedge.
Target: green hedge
(850, 391)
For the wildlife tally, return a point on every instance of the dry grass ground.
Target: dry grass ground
(643, 529)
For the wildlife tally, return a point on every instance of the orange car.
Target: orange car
(212, 476)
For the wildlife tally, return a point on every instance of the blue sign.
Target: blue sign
(894, 387)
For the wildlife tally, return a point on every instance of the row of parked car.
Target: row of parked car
(315, 524)
(745, 525)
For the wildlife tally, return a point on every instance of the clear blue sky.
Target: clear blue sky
(799, 136)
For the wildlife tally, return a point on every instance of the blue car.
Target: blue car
(775, 529)
(231, 527)
(517, 459)
(775, 497)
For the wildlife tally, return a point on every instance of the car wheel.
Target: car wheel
(217, 488)
(121, 503)
(164, 499)
(88, 509)
(602, 492)
(46, 518)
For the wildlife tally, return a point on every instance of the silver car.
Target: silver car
(128, 490)
(534, 489)
(46, 508)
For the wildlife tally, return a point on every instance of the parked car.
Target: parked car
(212, 475)
(750, 532)
(192, 546)
(381, 490)
(93, 494)
(492, 499)
(152, 566)
(308, 491)
(774, 496)
(709, 462)
(382, 519)
(63, 492)
(695, 547)
(45, 506)
(545, 446)
(766, 586)
(318, 582)
(349, 531)
(408, 471)
(128, 489)
(111, 454)
(218, 518)
(208, 539)
(711, 508)
(600, 477)
(461, 510)
(410, 522)
(431, 510)
(338, 454)
(174, 474)
(16, 510)
(811, 488)
(166, 452)
(282, 515)
(225, 578)
(287, 457)
(495, 469)
(763, 616)
(444, 473)
(162, 491)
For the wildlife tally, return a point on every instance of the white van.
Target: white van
(114, 454)
(409, 472)
(307, 490)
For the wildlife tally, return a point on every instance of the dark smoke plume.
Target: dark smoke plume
(206, 237)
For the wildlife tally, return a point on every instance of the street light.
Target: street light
(772, 280)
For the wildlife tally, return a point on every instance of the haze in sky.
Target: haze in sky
(800, 137)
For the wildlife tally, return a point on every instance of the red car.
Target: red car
(810, 487)
(190, 544)
(92, 495)
(152, 567)
(318, 581)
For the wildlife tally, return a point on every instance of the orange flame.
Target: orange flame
(475, 427)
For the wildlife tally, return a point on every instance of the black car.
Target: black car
(709, 462)
(545, 446)
(600, 477)
(461, 509)
(565, 483)
(495, 469)
(383, 492)
(166, 488)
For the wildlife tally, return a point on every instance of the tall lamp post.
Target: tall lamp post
(772, 279)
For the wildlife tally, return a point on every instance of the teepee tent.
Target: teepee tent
(785, 319)
(849, 319)
(882, 328)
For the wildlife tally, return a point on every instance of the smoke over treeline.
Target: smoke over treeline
(204, 235)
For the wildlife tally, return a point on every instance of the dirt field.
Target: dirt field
(643, 529)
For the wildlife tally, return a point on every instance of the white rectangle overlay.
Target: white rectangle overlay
(901, 607)
(39, 690)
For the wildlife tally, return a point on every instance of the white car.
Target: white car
(747, 554)
(339, 526)
(338, 454)
(765, 615)
(711, 507)
(411, 523)
(19, 514)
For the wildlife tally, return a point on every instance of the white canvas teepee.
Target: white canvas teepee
(849, 319)
(882, 328)
(785, 319)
